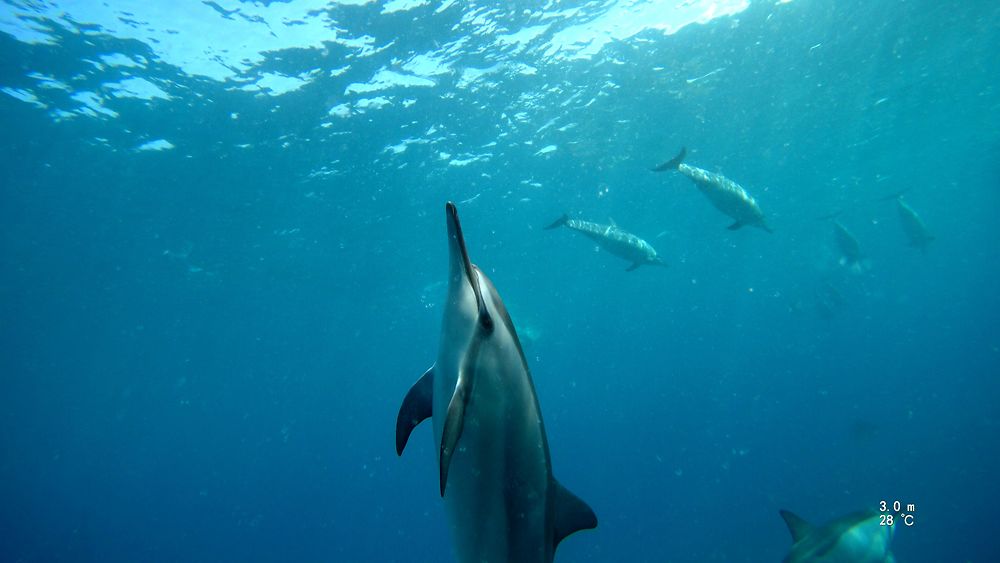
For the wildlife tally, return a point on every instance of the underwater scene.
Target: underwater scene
(301, 280)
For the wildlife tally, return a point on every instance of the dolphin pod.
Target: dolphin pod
(503, 503)
(494, 465)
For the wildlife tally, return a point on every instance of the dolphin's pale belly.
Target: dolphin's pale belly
(857, 546)
(498, 483)
(726, 195)
(862, 545)
(865, 543)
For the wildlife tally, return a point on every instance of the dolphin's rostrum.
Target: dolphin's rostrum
(503, 503)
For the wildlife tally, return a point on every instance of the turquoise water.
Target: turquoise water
(224, 249)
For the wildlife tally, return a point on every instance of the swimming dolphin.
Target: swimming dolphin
(856, 538)
(726, 195)
(616, 241)
(503, 503)
(913, 226)
(850, 248)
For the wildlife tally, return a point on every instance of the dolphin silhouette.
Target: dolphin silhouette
(914, 227)
(850, 248)
(503, 503)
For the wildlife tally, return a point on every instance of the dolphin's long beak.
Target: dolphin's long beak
(460, 263)
(461, 266)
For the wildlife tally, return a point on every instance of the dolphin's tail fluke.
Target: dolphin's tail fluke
(558, 222)
(673, 163)
(894, 195)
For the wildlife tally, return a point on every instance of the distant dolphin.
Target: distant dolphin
(913, 226)
(503, 503)
(726, 195)
(850, 248)
(616, 241)
(829, 301)
(856, 538)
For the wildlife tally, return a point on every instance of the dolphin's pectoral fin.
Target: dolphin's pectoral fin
(572, 514)
(633, 266)
(416, 407)
(798, 527)
(453, 425)
(735, 226)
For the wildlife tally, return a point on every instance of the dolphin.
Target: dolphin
(503, 503)
(858, 537)
(850, 248)
(913, 226)
(616, 241)
(726, 195)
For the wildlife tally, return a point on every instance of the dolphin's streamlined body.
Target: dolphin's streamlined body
(616, 241)
(726, 195)
(503, 503)
(858, 537)
(850, 248)
(913, 226)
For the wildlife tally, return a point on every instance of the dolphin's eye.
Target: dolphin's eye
(486, 320)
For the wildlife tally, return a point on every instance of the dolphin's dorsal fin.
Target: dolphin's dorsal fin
(798, 527)
(571, 514)
(416, 407)
(612, 221)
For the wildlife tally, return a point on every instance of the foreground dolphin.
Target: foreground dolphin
(726, 195)
(856, 538)
(504, 505)
(913, 226)
(616, 241)
(850, 248)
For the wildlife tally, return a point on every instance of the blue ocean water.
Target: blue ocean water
(224, 264)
